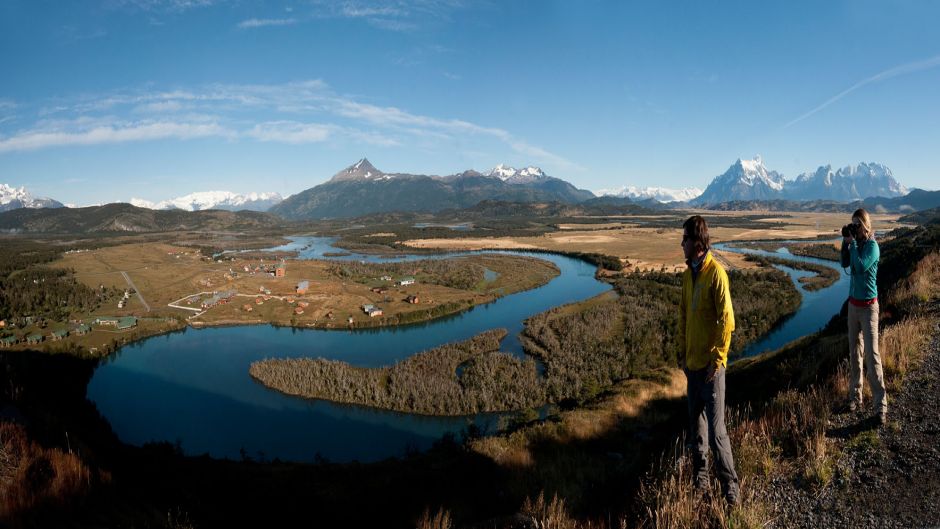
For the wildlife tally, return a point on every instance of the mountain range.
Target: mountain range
(224, 200)
(361, 189)
(659, 194)
(17, 197)
(751, 180)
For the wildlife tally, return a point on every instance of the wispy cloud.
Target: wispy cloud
(143, 131)
(266, 22)
(290, 132)
(163, 5)
(304, 112)
(391, 15)
(903, 69)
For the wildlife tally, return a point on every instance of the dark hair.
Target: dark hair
(697, 229)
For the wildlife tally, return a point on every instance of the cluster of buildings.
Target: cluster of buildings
(219, 298)
(118, 322)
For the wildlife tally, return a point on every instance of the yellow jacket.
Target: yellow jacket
(706, 318)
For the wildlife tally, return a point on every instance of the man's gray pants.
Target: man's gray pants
(707, 419)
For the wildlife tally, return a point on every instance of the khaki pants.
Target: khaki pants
(863, 349)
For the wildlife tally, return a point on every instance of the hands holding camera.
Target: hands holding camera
(850, 231)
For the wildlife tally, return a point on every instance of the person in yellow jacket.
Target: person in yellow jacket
(706, 321)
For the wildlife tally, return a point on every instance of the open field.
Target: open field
(166, 274)
(646, 248)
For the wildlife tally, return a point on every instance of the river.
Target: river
(192, 387)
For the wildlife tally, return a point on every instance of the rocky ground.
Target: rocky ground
(886, 476)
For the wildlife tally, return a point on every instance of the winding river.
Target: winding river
(192, 387)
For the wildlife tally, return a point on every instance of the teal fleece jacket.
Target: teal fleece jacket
(862, 260)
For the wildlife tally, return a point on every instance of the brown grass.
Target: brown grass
(32, 476)
(921, 286)
(902, 347)
(439, 520)
(654, 248)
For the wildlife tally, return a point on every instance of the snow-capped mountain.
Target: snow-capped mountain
(18, 197)
(512, 175)
(744, 180)
(659, 194)
(361, 189)
(854, 182)
(361, 170)
(225, 200)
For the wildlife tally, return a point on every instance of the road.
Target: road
(132, 285)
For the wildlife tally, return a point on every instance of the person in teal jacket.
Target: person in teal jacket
(860, 255)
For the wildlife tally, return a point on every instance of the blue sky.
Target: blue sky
(104, 101)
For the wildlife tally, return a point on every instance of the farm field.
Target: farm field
(165, 274)
(648, 248)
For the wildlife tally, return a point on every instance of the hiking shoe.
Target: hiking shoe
(850, 406)
(732, 496)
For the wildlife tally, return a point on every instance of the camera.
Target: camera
(850, 230)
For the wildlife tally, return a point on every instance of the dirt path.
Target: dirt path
(887, 477)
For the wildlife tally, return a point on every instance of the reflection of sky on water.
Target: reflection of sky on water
(194, 385)
(816, 309)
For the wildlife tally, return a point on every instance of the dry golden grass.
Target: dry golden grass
(654, 248)
(165, 273)
(627, 401)
(32, 476)
(902, 347)
(921, 285)
(439, 520)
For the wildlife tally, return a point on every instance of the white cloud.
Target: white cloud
(290, 132)
(39, 139)
(392, 15)
(264, 22)
(164, 5)
(903, 69)
(294, 113)
(159, 107)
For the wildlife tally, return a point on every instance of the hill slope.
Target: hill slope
(127, 218)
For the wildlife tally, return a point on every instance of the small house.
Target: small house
(374, 311)
(82, 330)
(302, 304)
(247, 307)
(405, 281)
(367, 307)
(302, 287)
(259, 301)
(298, 311)
(280, 270)
(106, 320)
(412, 299)
(386, 278)
(9, 341)
(34, 339)
(127, 322)
(58, 335)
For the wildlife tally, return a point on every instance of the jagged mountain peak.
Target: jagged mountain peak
(511, 175)
(18, 197)
(361, 170)
(224, 200)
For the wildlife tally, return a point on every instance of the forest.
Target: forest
(29, 288)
